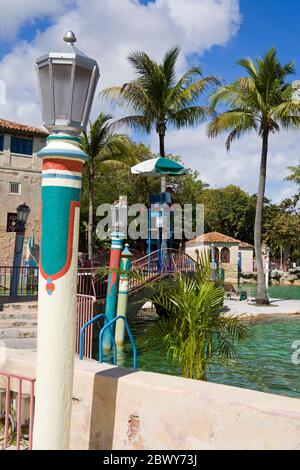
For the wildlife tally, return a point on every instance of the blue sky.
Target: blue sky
(214, 33)
(265, 23)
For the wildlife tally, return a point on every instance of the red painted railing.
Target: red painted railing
(85, 312)
(17, 411)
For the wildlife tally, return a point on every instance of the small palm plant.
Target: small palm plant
(195, 331)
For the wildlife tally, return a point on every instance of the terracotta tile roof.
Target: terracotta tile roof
(214, 237)
(245, 245)
(16, 128)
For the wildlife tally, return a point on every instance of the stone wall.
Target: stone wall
(115, 408)
(27, 171)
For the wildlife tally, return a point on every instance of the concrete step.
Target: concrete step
(16, 333)
(18, 322)
(22, 343)
(20, 306)
(18, 315)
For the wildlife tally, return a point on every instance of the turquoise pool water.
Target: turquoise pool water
(275, 292)
(265, 359)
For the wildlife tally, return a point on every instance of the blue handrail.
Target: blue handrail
(107, 325)
(83, 328)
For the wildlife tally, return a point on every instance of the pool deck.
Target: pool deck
(278, 307)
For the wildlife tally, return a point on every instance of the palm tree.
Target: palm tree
(105, 149)
(157, 100)
(294, 175)
(261, 101)
(195, 332)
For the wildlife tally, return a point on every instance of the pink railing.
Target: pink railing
(17, 410)
(85, 312)
(89, 282)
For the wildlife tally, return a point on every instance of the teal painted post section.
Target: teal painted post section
(123, 295)
(112, 283)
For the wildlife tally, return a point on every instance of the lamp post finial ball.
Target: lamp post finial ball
(70, 37)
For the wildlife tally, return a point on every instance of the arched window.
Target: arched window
(217, 255)
(225, 255)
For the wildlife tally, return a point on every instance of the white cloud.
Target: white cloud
(240, 166)
(107, 30)
(16, 13)
(213, 23)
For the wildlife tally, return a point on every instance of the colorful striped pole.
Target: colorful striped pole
(123, 295)
(112, 283)
(61, 185)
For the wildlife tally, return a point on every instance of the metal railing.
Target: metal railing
(153, 266)
(90, 282)
(82, 335)
(28, 279)
(85, 312)
(108, 326)
(17, 411)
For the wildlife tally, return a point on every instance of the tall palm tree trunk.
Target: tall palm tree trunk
(261, 296)
(91, 217)
(163, 185)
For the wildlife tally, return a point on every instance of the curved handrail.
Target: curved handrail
(176, 261)
(82, 330)
(119, 317)
(167, 250)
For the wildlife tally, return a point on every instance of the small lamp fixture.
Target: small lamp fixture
(119, 215)
(23, 212)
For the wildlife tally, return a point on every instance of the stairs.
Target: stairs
(18, 325)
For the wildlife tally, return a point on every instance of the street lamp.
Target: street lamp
(67, 82)
(23, 212)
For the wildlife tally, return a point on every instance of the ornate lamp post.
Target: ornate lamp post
(123, 295)
(118, 234)
(23, 212)
(67, 85)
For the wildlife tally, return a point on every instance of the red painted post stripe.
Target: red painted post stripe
(62, 164)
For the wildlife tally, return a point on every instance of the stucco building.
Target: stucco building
(233, 255)
(20, 181)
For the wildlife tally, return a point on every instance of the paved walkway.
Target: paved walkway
(277, 307)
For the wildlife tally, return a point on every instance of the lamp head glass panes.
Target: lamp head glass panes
(23, 213)
(67, 83)
(119, 215)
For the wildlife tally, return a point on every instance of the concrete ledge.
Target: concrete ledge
(277, 307)
(115, 408)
